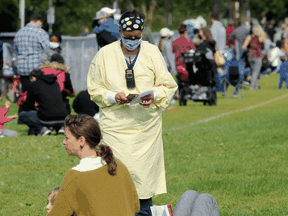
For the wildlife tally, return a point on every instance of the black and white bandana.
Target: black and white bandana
(132, 23)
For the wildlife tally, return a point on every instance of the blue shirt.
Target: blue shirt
(30, 43)
(219, 35)
(110, 26)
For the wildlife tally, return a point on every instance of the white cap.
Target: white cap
(166, 31)
(108, 10)
(100, 14)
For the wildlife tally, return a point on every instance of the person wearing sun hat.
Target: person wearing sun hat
(104, 36)
(109, 24)
(165, 46)
(118, 72)
(109, 11)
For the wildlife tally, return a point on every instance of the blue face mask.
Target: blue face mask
(131, 44)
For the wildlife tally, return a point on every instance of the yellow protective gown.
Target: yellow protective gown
(134, 133)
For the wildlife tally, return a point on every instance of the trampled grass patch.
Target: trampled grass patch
(240, 158)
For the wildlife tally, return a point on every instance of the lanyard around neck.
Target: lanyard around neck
(131, 64)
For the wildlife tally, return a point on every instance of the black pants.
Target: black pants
(24, 80)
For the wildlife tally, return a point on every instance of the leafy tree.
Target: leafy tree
(71, 16)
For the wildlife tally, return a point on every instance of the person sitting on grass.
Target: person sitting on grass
(51, 200)
(57, 67)
(100, 184)
(193, 204)
(3, 131)
(83, 104)
(51, 110)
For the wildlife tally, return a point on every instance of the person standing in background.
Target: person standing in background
(255, 40)
(54, 48)
(230, 28)
(111, 25)
(179, 46)
(270, 30)
(133, 131)
(165, 46)
(241, 32)
(218, 32)
(85, 31)
(30, 43)
(104, 36)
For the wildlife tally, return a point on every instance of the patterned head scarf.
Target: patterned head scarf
(132, 23)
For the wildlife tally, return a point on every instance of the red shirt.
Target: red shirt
(3, 119)
(181, 45)
(255, 47)
(229, 30)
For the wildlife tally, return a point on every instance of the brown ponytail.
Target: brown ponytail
(87, 126)
(106, 154)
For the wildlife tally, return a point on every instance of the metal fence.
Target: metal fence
(78, 53)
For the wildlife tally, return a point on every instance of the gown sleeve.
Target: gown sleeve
(96, 82)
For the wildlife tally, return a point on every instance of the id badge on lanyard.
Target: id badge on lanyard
(129, 73)
(130, 79)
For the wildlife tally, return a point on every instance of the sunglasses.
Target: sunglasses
(132, 38)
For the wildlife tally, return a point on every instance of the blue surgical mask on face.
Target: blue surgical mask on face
(131, 44)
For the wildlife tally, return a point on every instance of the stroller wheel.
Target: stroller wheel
(214, 98)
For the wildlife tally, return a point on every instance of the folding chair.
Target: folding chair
(234, 77)
(228, 54)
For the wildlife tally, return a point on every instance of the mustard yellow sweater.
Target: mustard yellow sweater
(96, 192)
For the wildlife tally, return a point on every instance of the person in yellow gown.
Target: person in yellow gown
(133, 131)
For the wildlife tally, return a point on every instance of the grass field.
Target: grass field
(239, 157)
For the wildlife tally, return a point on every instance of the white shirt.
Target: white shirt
(275, 55)
(88, 164)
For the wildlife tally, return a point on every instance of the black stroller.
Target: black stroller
(202, 78)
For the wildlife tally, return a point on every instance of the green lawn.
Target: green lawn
(240, 158)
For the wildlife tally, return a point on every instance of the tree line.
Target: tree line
(71, 16)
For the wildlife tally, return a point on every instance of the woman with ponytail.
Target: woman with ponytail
(100, 184)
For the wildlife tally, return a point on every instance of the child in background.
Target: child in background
(3, 131)
(51, 199)
(275, 56)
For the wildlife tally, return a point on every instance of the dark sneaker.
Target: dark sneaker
(61, 130)
(45, 131)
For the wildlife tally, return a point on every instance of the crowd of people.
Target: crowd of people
(262, 49)
(118, 133)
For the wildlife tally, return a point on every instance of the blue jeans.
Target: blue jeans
(238, 50)
(8, 133)
(31, 119)
(256, 64)
(145, 209)
(281, 80)
(192, 204)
